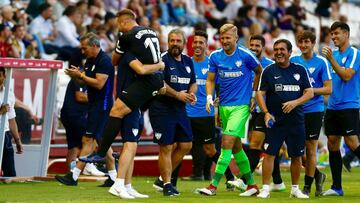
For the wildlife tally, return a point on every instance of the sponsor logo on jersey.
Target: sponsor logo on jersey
(179, 80)
(232, 74)
(287, 88)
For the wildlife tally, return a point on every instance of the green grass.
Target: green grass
(89, 192)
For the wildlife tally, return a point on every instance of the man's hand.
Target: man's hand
(209, 103)
(194, 98)
(184, 96)
(162, 64)
(252, 104)
(4, 108)
(327, 52)
(162, 90)
(19, 146)
(217, 101)
(287, 107)
(73, 72)
(267, 117)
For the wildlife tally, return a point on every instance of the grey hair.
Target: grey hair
(92, 39)
(178, 31)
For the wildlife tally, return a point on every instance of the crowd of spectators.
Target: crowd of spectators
(50, 29)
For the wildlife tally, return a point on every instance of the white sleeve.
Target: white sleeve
(11, 101)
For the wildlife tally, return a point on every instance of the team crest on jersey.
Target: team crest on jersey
(238, 63)
(311, 70)
(135, 131)
(343, 60)
(158, 136)
(204, 71)
(93, 68)
(188, 69)
(297, 76)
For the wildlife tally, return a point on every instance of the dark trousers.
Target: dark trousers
(23, 121)
(8, 163)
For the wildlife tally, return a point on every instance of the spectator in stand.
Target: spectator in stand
(17, 41)
(95, 23)
(59, 7)
(67, 38)
(297, 11)
(135, 6)
(323, 7)
(7, 13)
(215, 18)
(270, 38)
(6, 49)
(284, 20)
(111, 26)
(143, 21)
(33, 6)
(105, 43)
(325, 38)
(100, 5)
(246, 17)
(264, 18)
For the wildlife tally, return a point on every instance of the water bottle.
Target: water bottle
(270, 123)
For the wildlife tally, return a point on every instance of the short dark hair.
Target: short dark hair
(70, 10)
(16, 27)
(201, 33)
(2, 70)
(287, 42)
(43, 7)
(258, 37)
(2, 27)
(127, 12)
(109, 15)
(307, 34)
(343, 26)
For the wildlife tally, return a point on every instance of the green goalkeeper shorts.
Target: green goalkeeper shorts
(234, 119)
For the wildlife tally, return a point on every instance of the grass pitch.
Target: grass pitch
(89, 192)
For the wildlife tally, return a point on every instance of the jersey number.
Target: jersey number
(151, 43)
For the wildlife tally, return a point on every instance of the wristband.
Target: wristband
(253, 93)
(209, 98)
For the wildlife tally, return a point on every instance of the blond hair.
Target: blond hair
(228, 27)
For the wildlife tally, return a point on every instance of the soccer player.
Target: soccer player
(132, 125)
(203, 123)
(320, 79)
(234, 66)
(342, 114)
(143, 43)
(257, 124)
(99, 79)
(286, 86)
(172, 129)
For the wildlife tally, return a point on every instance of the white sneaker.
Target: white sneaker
(277, 187)
(298, 194)
(238, 183)
(264, 194)
(250, 192)
(206, 191)
(91, 170)
(120, 192)
(135, 193)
